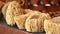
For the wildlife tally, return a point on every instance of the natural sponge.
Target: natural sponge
(12, 10)
(20, 21)
(52, 26)
(35, 22)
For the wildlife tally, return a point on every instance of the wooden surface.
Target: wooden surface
(4, 29)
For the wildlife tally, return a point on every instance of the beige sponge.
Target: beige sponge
(20, 21)
(35, 22)
(13, 9)
(4, 9)
(52, 26)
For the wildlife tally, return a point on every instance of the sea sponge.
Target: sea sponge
(12, 10)
(35, 22)
(4, 8)
(20, 19)
(52, 26)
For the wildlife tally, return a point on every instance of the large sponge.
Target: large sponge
(52, 26)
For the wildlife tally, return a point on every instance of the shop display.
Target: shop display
(32, 16)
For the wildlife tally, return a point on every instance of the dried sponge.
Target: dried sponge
(52, 26)
(12, 10)
(35, 22)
